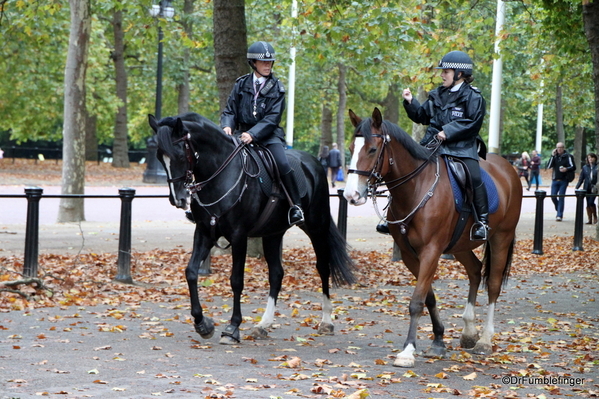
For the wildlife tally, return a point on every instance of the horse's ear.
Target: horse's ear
(355, 119)
(377, 118)
(179, 129)
(153, 123)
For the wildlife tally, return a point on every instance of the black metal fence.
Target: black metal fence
(34, 195)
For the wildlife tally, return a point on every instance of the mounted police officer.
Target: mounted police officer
(254, 110)
(454, 113)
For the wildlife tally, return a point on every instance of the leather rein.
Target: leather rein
(375, 173)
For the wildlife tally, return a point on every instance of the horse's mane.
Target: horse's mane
(192, 122)
(414, 149)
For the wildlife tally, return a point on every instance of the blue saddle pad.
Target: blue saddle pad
(492, 194)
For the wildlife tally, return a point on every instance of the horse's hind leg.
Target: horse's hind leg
(201, 250)
(272, 255)
(473, 268)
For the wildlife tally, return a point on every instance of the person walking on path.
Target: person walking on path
(523, 167)
(323, 158)
(334, 162)
(535, 169)
(588, 180)
(563, 167)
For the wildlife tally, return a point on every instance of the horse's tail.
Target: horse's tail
(508, 263)
(341, 264)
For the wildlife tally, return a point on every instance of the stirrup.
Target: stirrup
(189, 216)
(297, 220)
(383, 228)
(478, 226)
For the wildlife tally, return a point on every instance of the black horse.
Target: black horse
(221, 179)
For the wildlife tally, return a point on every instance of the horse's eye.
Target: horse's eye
(372, 150)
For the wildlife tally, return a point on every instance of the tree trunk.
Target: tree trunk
(590, 15)
(183, 86)
(391, 104)
(120, 149)
(91, 138)
(341, 90)
(326, 127)
(73, 150)
(230, 45)
(578, 152)
(559, 116)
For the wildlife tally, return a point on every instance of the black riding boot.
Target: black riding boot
(383, 227)
(296, 215)
(189, 216)
(480, 230)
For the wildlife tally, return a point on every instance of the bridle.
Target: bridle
(194, 187)
(376, 174)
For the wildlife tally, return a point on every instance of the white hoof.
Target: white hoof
(404, 362)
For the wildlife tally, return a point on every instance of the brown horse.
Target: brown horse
(422, 218)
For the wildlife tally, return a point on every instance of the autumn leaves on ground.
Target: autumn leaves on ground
(523, 346)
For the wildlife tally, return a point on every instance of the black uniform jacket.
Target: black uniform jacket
(459, 114)
(270, 104)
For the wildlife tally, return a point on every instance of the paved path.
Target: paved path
(156, 224)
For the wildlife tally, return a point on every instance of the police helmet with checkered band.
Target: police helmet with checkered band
(458, 61)
(261, 51)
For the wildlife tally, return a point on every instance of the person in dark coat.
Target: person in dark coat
(588, 180)
(323, 157)
(563, 166)
(254, 110)
(334, 163)
(535, 168)
(454, 113)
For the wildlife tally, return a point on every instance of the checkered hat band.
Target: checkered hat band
(454, 65)
(259, 56)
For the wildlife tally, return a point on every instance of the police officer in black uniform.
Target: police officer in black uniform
(254, 110)
(454, 113)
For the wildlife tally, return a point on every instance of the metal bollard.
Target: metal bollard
(342, 214)
(124, 259)
(578, 220)
(33, 194)
(538, 239)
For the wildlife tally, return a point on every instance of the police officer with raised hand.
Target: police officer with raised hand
(454, 113)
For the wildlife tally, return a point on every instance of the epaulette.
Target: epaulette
(242, 77)
(476, 89)
(281, 87)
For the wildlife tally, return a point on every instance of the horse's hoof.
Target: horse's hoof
(404, 362)
(259, 333)
(482, 348)
(435, 351)
(468, 342)
(326, 329)
(205, 328)
(230, 336)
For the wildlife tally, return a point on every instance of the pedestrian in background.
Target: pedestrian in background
(563, 167)
(334, 163)
(535, 169)
(523, 165)
(588, 180)
(323, 157)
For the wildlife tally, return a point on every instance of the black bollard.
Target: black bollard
(578, 220)
(342, 215)
(123, 274)
(538, 239)
(33, 194)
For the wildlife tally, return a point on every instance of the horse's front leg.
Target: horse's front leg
(230, 335)
(424, 270)
(201, 250)
(272, 255)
